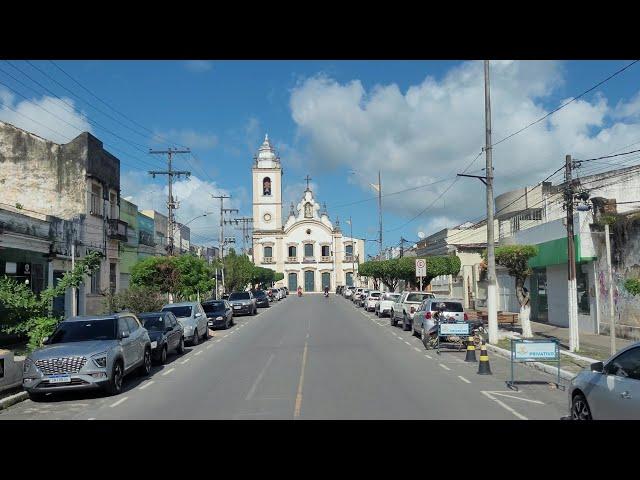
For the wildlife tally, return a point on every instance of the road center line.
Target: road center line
(407, 342)
(259, 378)
(296, 412)
(463, 379)
(416, 349)
(146, 385)
(168, 371)
(444, 366)
(428, 356)
(198, 352)
(115, 404)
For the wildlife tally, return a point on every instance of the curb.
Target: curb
(13, 399)
(564, 374)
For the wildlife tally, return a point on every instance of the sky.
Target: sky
(417, 122)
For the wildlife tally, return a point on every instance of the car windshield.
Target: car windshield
(180, 312)
(391, 296)
(155, 322)
(213, 306)
(239, 296)
(416, 297)
(84, 331)
(260, 294)
(374, 294)
(447, 307)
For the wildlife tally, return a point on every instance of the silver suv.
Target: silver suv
(88, 352)
(192, 318)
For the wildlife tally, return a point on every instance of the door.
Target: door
(616, 392)
(174, 335)
(293, 282)
(326, 280)
(128, 347)
(308, 281)
(138, 341)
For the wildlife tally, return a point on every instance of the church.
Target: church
(307, 247)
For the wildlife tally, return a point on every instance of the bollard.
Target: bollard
(471, 351)
(483, 367)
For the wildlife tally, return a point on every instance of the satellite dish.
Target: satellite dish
(421, 235)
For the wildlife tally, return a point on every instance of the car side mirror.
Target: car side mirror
(124, 335)
(198, 315)
(597, 367)
(45, 340)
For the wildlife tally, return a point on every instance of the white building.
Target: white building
(307, 248)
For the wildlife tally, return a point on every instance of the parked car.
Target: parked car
(385, 303)
(273, 294)
(405, 307)
(339, 289)
(348, 292)
(448, 307)
(356, 294)
(362, 297)
(88, 352)
(284, 291)
(370, 301)
(243, 303)
(608, 390)
(262, 301)
(165, 332)
(219, 313)
(192, 318)
(281, 293)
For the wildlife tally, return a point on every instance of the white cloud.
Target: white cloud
(195, 199)
(434, 129)
(199, 66)
(47, 117)
(189, 138)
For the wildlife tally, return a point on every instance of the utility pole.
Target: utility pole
(380, 209)
(612, 318)
(402, 240)
(572, 294)
(245, 221)
(171, 203)
(222, 222)
(492, 308)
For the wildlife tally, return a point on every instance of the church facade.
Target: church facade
(306, 247)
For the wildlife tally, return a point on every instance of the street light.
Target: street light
(353, 264)
(185, 224)
(378, 188)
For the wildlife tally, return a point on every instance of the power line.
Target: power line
(566, 103)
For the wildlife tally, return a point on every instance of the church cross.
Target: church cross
(308, 179)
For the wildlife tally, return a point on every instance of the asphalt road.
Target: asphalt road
(312, 358)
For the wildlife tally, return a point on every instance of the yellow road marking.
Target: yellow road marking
(296, 412)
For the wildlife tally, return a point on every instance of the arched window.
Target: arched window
(266, 186)
(293, 251)
(308, 250)
(268, 252)
(349, 250)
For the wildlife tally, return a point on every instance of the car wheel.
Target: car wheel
(423, 337)
(196, 338)
(226, 325)
(145, 368)
(163, 356)
(580, 408)
(255, 311)
(36, 396)
(180, 348)
(205, 337)
(233, 322)
(114, 387)
(392, 319)
(405, 324)
(413, 330)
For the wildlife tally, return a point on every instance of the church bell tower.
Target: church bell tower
(267, 189)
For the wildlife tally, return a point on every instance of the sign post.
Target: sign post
(421, 269)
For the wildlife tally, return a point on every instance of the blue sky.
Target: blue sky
(417, 121)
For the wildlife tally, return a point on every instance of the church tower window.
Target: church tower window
(292, 251)
(266, 186)
(268, 252)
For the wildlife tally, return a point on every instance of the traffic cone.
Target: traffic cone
(471, 351)
(483, 367)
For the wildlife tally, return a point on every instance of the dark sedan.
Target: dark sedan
(165, 332)
(219, 313)
(262, 301)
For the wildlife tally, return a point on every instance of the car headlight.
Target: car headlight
(100, 359)
(219, 318)
(28, 366)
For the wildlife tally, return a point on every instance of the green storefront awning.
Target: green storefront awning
(554, 252)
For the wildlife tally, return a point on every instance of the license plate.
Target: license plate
(237, 307)
(154, 344)
(59, 379)
(210, 324)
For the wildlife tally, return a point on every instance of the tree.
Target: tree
(515, 258)
(135, 299)
(158, 273)
(238, 271)
(195, 276)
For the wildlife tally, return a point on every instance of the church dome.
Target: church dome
(267, 154)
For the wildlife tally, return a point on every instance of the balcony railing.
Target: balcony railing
(292, 259)
(267, 260)
(96, 205)
(117, 229)
(326, 258)
(348, 258)
(308, 260)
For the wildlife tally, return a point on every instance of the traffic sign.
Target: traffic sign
(421, 267)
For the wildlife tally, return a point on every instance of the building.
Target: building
(182, 238)
(160, 229)
(307, 248)
(147, 237)
(78, 182)
(128, 249)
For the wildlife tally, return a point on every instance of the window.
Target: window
(266, 186)
(114, 205)
(239, 296)
(132, 323)
(112, 277)
(293, 251)
(349, 279)
(268, 252)
(95, 281)
(123, 327)
(308, 250)
(626, 365)
(325, 251)
(349, 250)
(84, 331)
(180, 312)
(96, 200)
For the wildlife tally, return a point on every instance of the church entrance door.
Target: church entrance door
(308, 281)
(326, 280)
(293, 282)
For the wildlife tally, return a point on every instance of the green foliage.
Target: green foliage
(393, 270)
(632, 285)
(38, 328)
(135, 299)
(195, 274)
(238, 272)
(515, 259)
(279, 276)
(606, 219)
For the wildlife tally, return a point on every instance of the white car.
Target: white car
(370, 302)
(385, 303)
(348, 292)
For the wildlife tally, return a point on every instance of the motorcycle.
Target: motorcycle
(326, 294)
(430, 338)
(299, 293)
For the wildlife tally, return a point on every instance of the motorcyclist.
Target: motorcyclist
(326, 291)
(299, 291)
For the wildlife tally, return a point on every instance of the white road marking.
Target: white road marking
(218, 339)
(259, 378)
(407, 342)
(146, 385)
(168, 371)
(503, 394)
(198, 352)
(505, 406)
(185, 361)
(118, 402)
(92, 418)
(463, 379)
(416, 349)
(444, 366)
(428, 356)
(208, 347)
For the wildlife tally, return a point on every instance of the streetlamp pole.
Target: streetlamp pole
(353, 253)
